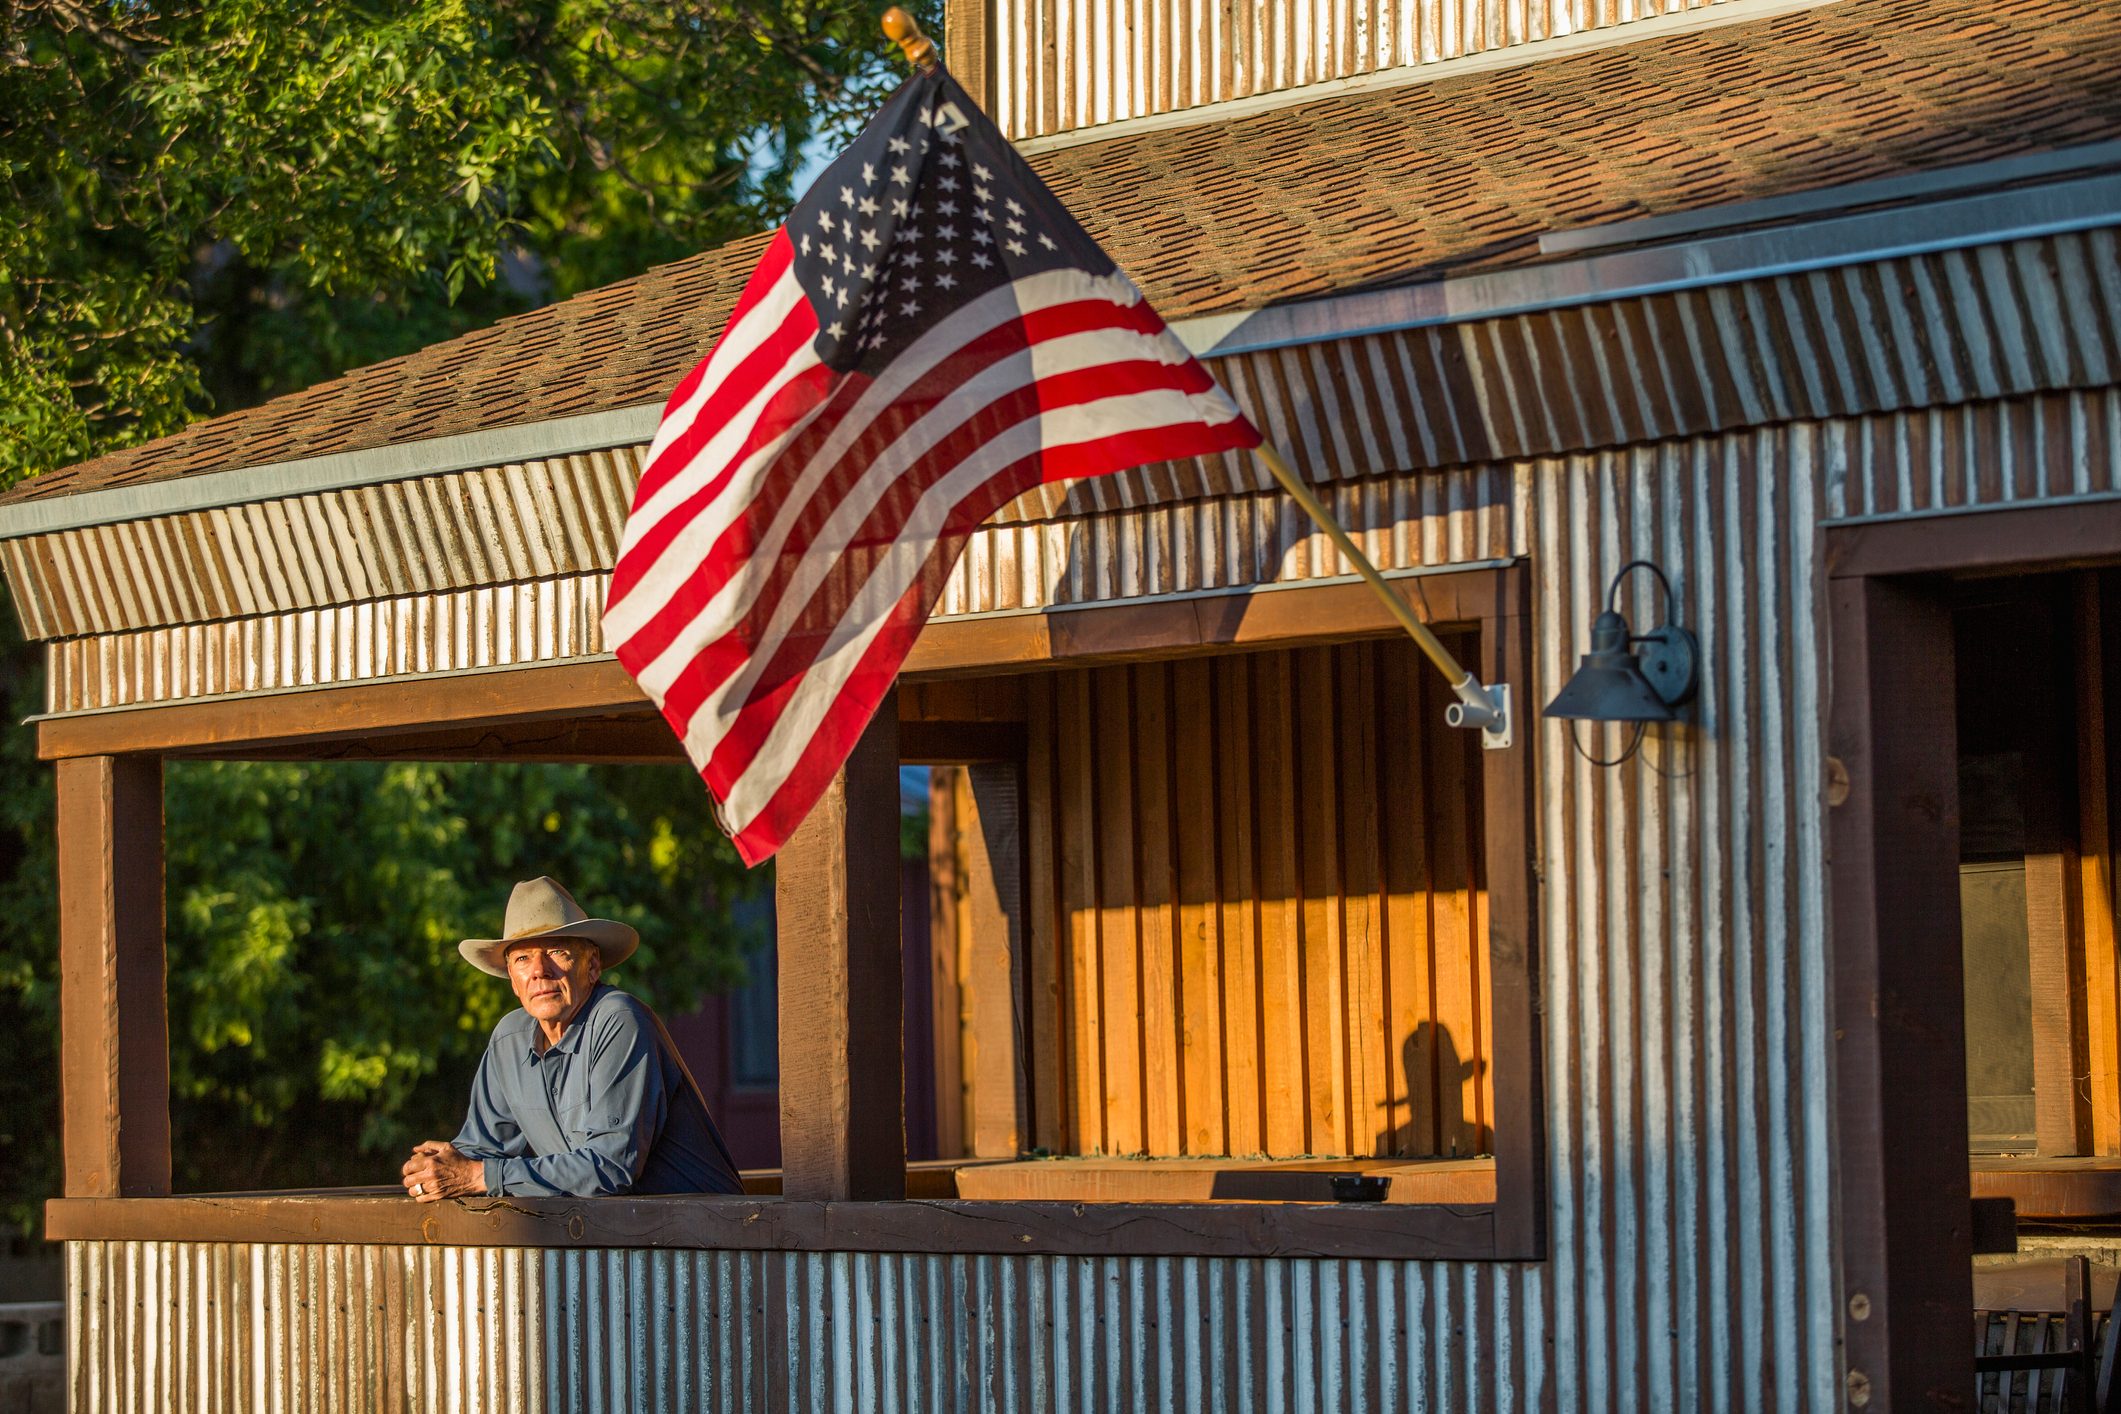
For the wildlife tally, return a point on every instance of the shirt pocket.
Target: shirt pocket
(583, 1115)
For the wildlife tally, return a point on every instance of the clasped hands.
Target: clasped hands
(437, 1171)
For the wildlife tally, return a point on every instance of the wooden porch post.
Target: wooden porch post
(836, 899)
(1900, 1053)
(114, 1029)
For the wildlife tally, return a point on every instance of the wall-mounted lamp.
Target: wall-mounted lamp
(1615, 683)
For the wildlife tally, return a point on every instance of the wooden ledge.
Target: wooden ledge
(1413, 1181)
(1436, 1232)
(2053, 1190)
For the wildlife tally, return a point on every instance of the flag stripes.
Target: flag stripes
(810, 487)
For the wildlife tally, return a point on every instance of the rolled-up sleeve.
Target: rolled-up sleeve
(619, 1124)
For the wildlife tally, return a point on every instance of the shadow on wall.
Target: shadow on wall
(1436, 1098)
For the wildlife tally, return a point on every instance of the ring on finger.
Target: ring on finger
(418, 1189)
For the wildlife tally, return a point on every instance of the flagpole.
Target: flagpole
(1487, 709)
(1480, 708)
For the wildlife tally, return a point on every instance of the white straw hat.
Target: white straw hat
(542, 908)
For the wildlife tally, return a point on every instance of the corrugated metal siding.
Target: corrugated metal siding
(1070, 63)
(1268, 918)
(1684, 982)
(1926, 331)
(1184, 548)
(177, 1327)
(1683, 996)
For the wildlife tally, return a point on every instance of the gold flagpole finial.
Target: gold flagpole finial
(901, 30)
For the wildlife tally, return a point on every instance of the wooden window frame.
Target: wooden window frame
(1893, 854)
(844, 1171)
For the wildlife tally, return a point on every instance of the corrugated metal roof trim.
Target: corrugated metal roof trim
(1943, 328)
(1178, 549)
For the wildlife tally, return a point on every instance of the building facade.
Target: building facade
(1816, 306)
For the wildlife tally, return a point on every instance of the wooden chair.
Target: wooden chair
(2045, 1341)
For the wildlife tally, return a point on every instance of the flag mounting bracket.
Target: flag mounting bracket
(1481, 708)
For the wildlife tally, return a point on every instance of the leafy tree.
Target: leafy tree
(214, 202)
(209, 202)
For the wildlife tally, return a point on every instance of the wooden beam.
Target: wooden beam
(2050, 537)
(337, 713)
(114, 1030)
(1899, 1023)
(959, 743)
(1507, 843)
(836, 899)
(1371, 1231)
(988, 835)
(2095, 856)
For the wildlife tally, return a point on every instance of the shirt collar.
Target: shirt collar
(571, 1039)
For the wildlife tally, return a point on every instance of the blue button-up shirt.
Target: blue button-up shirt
(606, 1109)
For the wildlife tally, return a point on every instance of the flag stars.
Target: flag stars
(867, 206)
(1047, 241)
(899, 208)
(946, 256)
(869, 241)
(946, 183)
(980, 236)
(1014, 209)
(824, 218)
(949, 159)
(1015, 226)
(869, 174)
(1013, 247)
(836, 329)
(946, 280)
(982, 174)
(900, 147)
(980, 258)
(901, 176)
(909, 307)
(846, 196)
(982, 194)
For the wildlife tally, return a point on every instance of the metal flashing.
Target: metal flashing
(1846, 198)
(1990, 218)
(398, 461)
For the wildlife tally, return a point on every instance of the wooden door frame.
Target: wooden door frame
(1904, 1215)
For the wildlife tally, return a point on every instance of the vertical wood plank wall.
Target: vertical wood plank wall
(1262, 894)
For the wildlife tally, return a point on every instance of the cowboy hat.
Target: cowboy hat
(542, 908)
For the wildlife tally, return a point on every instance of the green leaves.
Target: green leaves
(215, 202)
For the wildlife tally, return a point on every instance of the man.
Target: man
(580, 1093)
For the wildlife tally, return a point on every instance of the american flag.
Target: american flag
(929, 336)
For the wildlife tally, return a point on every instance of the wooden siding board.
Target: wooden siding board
(1325, 981)
(1194, 735)
(1239, 903)
(1156, 896)
(1276, 834)
(1118, 921)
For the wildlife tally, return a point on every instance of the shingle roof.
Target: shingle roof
(1385, 187)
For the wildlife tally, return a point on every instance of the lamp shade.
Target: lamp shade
(1608, 685)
